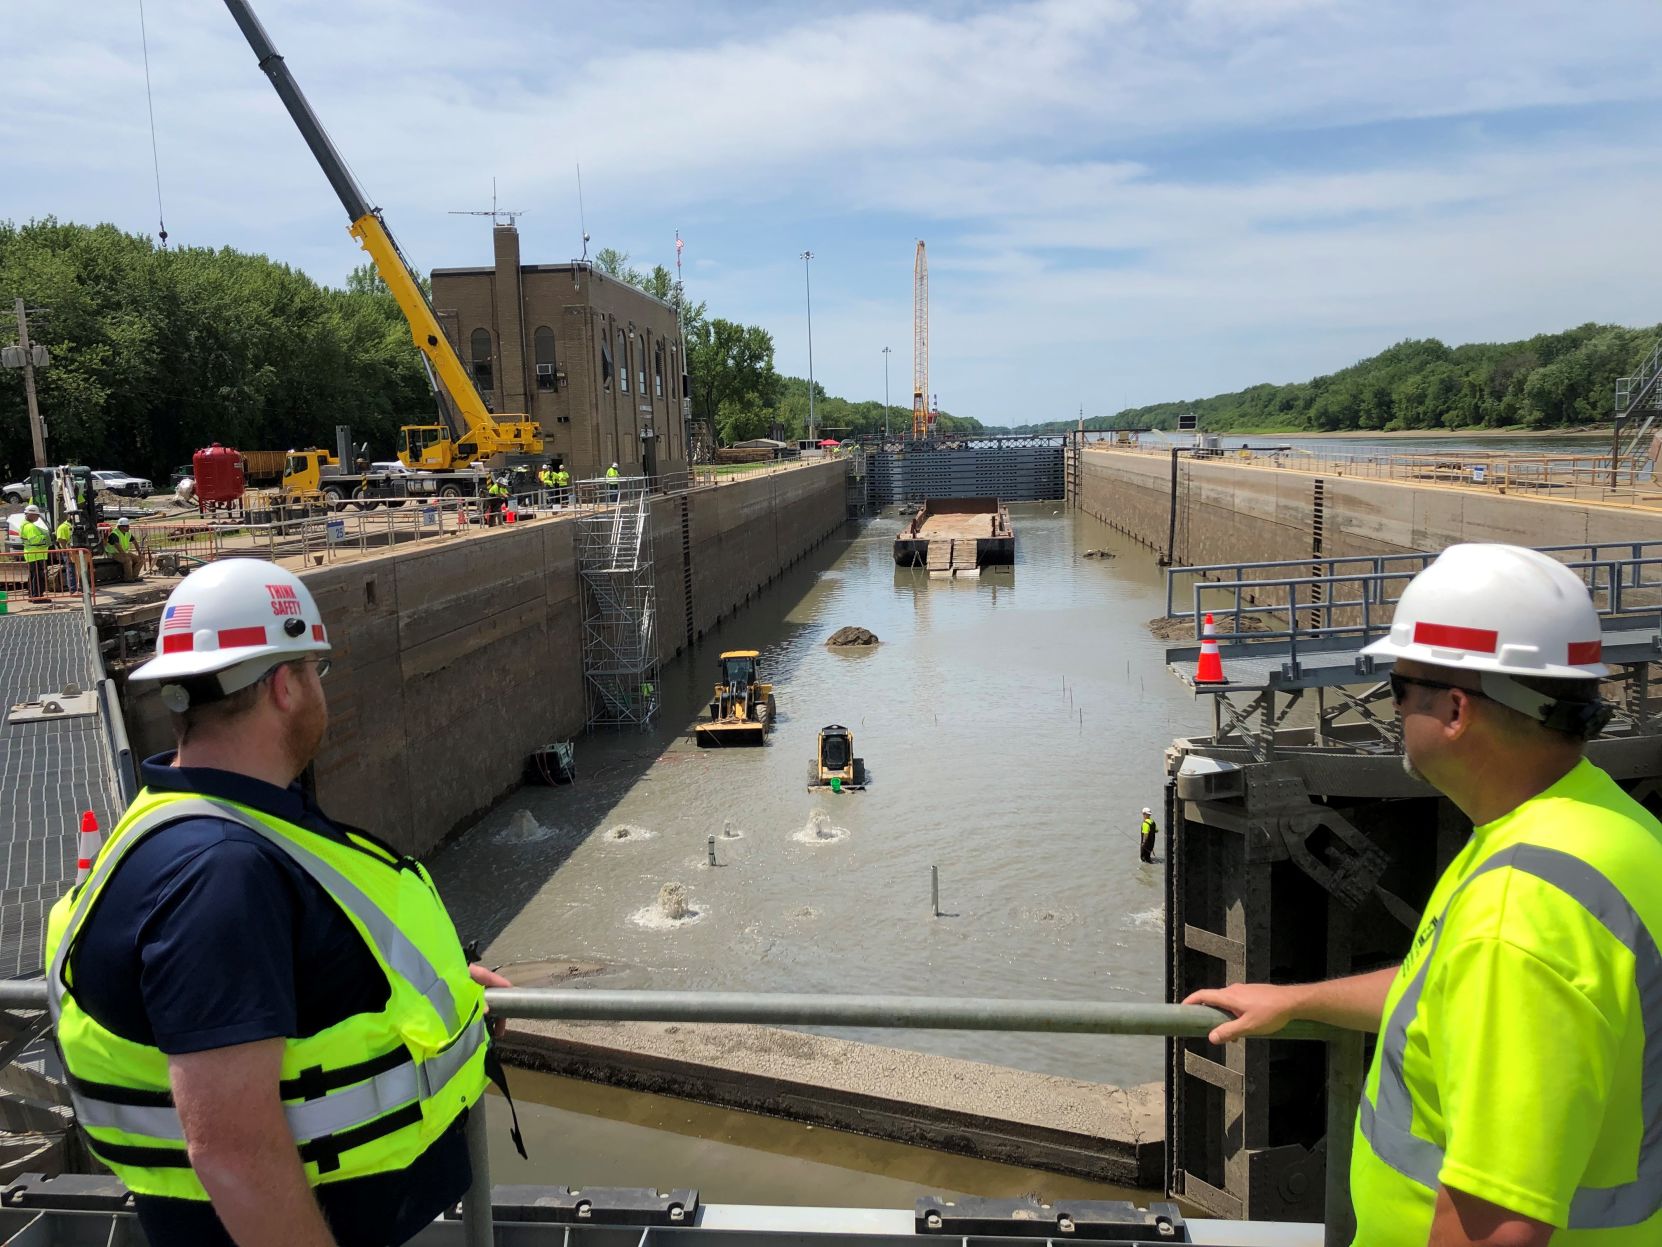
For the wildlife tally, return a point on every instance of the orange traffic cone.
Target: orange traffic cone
(512, 515)
(1209, 670)
(91, 839)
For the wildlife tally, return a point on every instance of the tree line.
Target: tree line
(158, 352)
(1549, 381)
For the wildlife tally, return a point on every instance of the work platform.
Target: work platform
(1300, 848)
(52, 768)
(954, 536)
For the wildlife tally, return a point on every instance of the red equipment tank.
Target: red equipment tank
(220, 480)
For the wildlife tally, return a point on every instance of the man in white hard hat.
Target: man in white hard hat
(37, 543)
(1148, 831)
(1516, 1090)
(271, 1032)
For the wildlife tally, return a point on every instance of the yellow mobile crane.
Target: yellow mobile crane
(436, 447)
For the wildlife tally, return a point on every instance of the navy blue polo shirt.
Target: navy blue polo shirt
(207, 936)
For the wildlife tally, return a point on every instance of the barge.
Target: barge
(957, 536)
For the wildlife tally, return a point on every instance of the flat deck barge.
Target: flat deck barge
(950, 535)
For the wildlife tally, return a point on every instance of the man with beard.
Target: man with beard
(271, 1032)
(1514, 1095)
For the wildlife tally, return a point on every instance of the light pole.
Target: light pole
(885, 394)
(808, 288)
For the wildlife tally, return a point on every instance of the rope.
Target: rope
(150, 103)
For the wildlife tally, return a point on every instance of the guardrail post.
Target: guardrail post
(1344, 1092)
(477, 1227)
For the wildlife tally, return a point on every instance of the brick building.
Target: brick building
(596, 362)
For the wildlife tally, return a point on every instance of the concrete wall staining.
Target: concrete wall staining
(453, 662)
(1232, 512)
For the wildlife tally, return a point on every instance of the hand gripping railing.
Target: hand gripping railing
(1344, 1055)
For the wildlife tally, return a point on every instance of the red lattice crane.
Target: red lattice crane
(922, 418)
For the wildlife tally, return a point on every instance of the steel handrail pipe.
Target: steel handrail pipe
(1062, 1017)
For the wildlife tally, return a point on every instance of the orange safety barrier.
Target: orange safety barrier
(56, 572)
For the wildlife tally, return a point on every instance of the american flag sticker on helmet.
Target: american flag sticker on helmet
(177, 618)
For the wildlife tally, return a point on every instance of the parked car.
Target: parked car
(121, 483)
(390, 466)
(17, 492)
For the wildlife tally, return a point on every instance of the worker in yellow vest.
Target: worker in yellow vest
(122, 546)
(37, 542)
(1148, 832)
(1514, 1096)
(562, 486)
(64, 538)
(271, 1031)
(496, 501)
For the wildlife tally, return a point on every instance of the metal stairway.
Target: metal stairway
(620, 606)
(1638, 395)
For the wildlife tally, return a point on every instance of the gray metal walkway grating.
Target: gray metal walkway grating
(49, 773)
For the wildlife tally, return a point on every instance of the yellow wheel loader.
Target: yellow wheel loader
(835, 765)
(741, 708)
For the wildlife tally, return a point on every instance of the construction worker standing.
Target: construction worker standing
(37, 541)
(1513, 1096)
(1148, 831)
(562, 482)
(545, 478)
(496, 500)
(120, 545)
(64, 538)
(271, 1031)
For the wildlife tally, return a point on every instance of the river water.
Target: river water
(1013, 728)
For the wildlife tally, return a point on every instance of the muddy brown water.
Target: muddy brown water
(1013, 728)
(580, 1134)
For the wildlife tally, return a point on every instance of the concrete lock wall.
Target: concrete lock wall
(1234, 512)
(453, 662)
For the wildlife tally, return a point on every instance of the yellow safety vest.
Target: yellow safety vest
(36, 539)
(66, 534)
(367, 1095)
(1516, 1060)
(612, 474)
(121, 540)
(562, 478)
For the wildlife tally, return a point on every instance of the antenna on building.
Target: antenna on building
(582, 219)
(495, 214)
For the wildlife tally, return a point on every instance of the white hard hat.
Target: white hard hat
(1146, 810)
(1496, 609)
(124, 522)
(235, 619)
(31, 509)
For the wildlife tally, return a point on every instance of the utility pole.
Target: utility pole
(37, 428)
(885, 393)
(808, 288)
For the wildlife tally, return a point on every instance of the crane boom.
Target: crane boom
(920, 345)
(425, 446)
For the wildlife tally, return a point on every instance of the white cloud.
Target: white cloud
(1140, 181)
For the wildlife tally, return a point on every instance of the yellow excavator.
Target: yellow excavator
(741, 708)
(495, 440)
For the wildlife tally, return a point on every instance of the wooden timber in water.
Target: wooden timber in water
(957, 536)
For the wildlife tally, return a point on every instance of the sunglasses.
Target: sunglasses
(1400, 684)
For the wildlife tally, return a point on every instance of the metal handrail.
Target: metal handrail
(888, 1012)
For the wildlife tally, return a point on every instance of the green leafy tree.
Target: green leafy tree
(734, 386)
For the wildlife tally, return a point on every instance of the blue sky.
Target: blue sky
(1125, 201)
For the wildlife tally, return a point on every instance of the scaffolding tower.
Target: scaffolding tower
(620, 602)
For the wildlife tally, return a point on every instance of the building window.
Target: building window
(658, 370)
(641, 358)
(482, 376)
(622, 363)
(542, 345)
(605, 361)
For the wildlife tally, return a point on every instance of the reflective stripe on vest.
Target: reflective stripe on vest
(1387, 1123)
(394, 947)
(334, 1114)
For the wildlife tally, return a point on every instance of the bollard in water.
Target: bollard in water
(935, 889)
(710, 847)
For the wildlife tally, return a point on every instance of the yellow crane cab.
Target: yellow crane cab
(835, 765)
(741, 707)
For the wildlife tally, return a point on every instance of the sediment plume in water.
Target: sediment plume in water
(626, 833)
(819, 829)
(671, 909)
(522, 828)
(730, 832)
